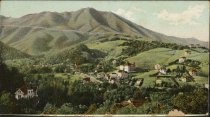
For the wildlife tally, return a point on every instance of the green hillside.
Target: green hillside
(164, 56)
(11, 53)
(112, 48)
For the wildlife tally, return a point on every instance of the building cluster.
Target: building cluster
(25, 92)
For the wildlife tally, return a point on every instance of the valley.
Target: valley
(104, 64)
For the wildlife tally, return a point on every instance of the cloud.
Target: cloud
(130, 13)
(138, 9)
(189, 16)
(125, 13)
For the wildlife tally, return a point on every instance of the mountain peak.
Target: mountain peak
(92, 21)
(88, 9)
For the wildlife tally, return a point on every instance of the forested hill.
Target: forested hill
(11, 53)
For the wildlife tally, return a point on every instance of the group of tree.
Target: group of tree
(10, 80)
(136, 46)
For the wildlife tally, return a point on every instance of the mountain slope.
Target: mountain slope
(40, 33)
(11, 53)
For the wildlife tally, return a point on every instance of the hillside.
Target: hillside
(9, 53)
(46, 32)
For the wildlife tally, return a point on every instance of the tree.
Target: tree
(1, 54)
(10, 78)
(28, 106)
(49, 109)
(7, 103)
(92, 108)
(192, 103)
(66, 108)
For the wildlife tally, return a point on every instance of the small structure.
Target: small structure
(193, 72)
(157, 67)
(114, 62)
(128, 67)
(122, 74)
(139, 82)
(182, 59)
(26, 92)
(162, 70)
(206, 86)
(186, 78)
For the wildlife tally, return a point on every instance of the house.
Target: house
(193, 72)
(114, 62)
(25, 92)
(122, 74)
(128, 67)
(157, 66)
(139, 82)
(206, 86)
(162, 71)
(186, 78)
(182, 59)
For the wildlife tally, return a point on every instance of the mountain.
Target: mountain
(46, 32)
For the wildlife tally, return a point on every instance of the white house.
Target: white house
(139, 82)
(121, 67)
(114, 62)
(26, 92)
(206, 86)
(122, 74)
(128, 67)
(193, 72)
(182, 59)
(162, 71)
(157, 66)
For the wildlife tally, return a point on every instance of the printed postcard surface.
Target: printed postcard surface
(104, 58)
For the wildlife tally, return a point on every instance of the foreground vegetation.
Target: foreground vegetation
(62, 91)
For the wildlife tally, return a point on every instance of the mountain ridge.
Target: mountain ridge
(84, 23)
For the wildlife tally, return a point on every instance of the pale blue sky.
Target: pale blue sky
(174, 18)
